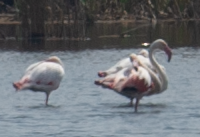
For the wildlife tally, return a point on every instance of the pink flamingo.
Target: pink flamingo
(130, 82)
(125, 63)
(44, 76)
(136, 83)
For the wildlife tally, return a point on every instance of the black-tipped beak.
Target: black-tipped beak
(169, 56)
(169, 53)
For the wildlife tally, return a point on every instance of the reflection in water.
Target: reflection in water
(106, 36)
(33, 44)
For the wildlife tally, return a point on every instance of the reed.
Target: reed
(67, 18)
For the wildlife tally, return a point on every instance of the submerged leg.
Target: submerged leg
(47, 98)
(136, 104)
(131, 102)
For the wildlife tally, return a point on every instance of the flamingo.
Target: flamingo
(44, 76)
(136, 84)
(129, 82)
(126, 63)
(120, 71)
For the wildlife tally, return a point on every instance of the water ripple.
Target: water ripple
(79, 108)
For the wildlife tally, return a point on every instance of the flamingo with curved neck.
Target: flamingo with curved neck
(125, 63)
(158, 78)
(160, 83)
(162, 45)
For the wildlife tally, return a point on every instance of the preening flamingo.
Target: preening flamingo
(121, 70)
(125, 63)
(130, 82)
(134, 82)
(44, 76)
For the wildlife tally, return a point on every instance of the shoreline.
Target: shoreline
(9, 19)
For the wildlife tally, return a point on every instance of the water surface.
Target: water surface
(80, 108)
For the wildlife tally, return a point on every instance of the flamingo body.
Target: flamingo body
(44, 76)
(126, 63)
(141, 80)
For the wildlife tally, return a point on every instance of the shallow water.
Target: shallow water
(80, 108)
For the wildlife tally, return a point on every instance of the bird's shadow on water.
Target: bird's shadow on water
(39, 106)
(149, 105)
(23, 110)
(142, 108)
(45, 106)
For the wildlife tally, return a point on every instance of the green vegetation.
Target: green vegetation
(48, 17)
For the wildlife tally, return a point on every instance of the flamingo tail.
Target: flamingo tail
(17, 85)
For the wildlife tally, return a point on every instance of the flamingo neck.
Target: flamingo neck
(155, 79)
(163, 82)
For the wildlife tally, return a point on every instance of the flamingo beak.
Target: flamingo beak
(168, 51)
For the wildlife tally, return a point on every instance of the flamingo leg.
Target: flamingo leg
(131, 102)
(136, 104)
(47, 98)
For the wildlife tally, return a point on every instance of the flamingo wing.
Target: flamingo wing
(116, 68)
(32, 66)
(45, 76)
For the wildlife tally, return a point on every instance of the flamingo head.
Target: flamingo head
(162, 45)
(144, 53)
(168, 51)
(133, 57)
(135, 61)
(54, 59)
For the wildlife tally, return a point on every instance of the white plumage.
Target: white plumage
(44, 76)
(144, 77)
(126, 63)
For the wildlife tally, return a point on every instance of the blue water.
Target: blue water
(80, 108)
